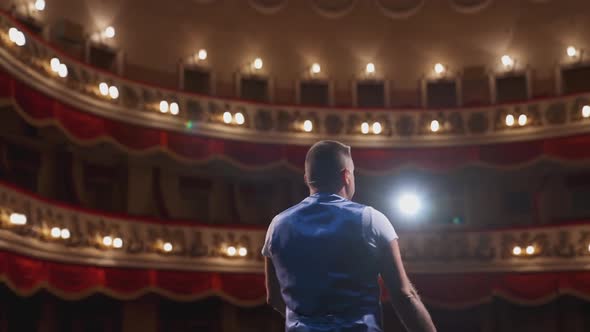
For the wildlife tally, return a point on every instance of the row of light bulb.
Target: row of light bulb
(232, 251)
(237, 118)
(59, 68)
(108, 91)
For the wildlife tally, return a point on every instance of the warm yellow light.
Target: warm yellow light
(54, 64)
(109, 32)
(510, 120)
(164, 106)
(55, 232)
(113, 92)
(586, 111)
(18, 219)
(227, 117)
(522, 120)
(439, 68)
(307, 126)
(65, 233)
(316, 68)
(62, 71)
(370, 69)
(530, 250)
(517, 251)
(107, 241)
(571, 51)
(365, 128)
(167, 247)
(242, 251)
(40, 5)
(258, 63)
(231, 251)
(507, 61)
(202, 54)
(434, 126)
(377, 128)
(239, 117)
(103, 88)
(174, 108)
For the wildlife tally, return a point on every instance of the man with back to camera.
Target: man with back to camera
(324, 256)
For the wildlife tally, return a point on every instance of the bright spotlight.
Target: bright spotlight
(571, 51)
(510, 120)
(258, 63)
(434, 126)
(109, 32)
(377, 128)
(365, 128)
(522, 119)
(202, 54)
(227, 117)
(174, 109)
(308, 126)
(113, 92)
(409, 204)
(164, 106)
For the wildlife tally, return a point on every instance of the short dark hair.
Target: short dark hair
(323, 165)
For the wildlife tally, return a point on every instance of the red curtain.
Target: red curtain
(83, 127)
(26, 275)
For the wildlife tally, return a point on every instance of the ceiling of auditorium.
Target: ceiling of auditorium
(403, 38)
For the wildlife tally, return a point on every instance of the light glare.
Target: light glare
(365, 128)
(164, 106)
(62, 71)
(109, 32)
(65, 234)
(377, 128)
(55, 232)
(239, 117)
(227, 117)
(113, 92)
(202, 54)
(586, 111)
(439, 68)
(243, 252)
(530, 250)
(308, 126)
(231, 251)
(510, 120)
(174, 109)
(522, 120)
(167, 247)
(18, 219)
(118, 242)
(316, 68)
(507, 61)
(258, 63)
(370, 69)
(103, 88)
(409, 204)
(434, 126)
(571, 51)
(107, 241)
(40, 5)
(516, 251)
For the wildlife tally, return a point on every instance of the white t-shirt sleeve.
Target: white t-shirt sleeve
(378, 228)
(267, 240)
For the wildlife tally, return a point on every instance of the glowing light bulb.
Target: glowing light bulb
(370, 69)
(65, 234)
(434, 126)
(409, 204)
(516, 251)
(239, 117)
(55, 232)
(522, 120)
(258, 63)
(167, 247)
(316, 68)
(365, 128)
(164, 106)
(113, 92)
(507, 61)
(307, 126)
(530, 250)
(54, 64)
(109, 32)
(586, 111)
(103, 88)
(242, 251)
(571, 51)
(18, 219)
(377, 129)
(231, 251)
(62, 71)
(202, 54)
(40, 5)
(227, 117)
(117, 242)
(107, 241)
(439, 68)
(510, 120)
(174, 109)
(16, 36)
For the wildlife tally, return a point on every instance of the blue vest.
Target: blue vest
(326, 268)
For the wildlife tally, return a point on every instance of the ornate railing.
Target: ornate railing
(132, 102)
(45, 230)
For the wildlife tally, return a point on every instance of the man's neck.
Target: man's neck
(341, 193)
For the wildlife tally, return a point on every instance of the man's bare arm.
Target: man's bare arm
(404, 297)
(273, 289)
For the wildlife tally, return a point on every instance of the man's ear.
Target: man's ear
(346, 176)
(305, 179)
